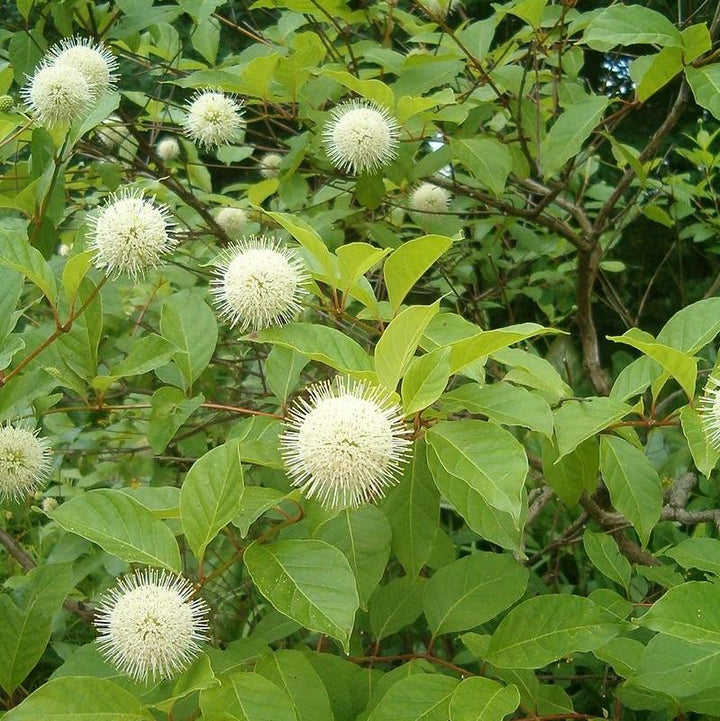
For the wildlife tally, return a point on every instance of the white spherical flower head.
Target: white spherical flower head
(168, 148)
(345, 443)
(130, 234)
(57, 95)
(428, 198)
(93, 60)
(270, 165)
(232, 221)
(111, 132)
(214, 119)
(709, 410)
(24, 462)
(259, 283)
(361, 137)
(150, 628)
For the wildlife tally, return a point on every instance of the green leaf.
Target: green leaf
(121, 526)
(413, 509)
(356, 259)
(395, 605)
(320, 343)
(399, 342)
(12, 284)
(421, 697)
(292, 672)
(77, 698)
(527, 369)
(283, 367)
(576, 421)
(487, 160)
(75, 270)
(568, 134)
(374, 90)
(482, 459)
(572, 474)
(705, 85)
(405, 266)
(246, 696)
(631, 25)
(606, 557)
(482, 699)
(211, 495)
(690, 612)
(472, 590)
(692, 327)
(148, 353)
(702, 553)
(503, 403)
(363, 535)
(652, 72)
(546, 628)
(425, 380)
(170, 409)
(309, 581)
(704, 455)
(634, 485)
(254, 501)
(17, 253)
(679, 365)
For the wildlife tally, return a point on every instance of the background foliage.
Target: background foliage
(552, 550)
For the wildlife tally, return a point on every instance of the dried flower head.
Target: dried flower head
(270, 165)
(214, 118)
(91, 59)
(428, 198)
(24, 462)
(57, 95)
(345, 443)
(259, 283)
(232, 221)
(361, 137)
(168, 148)
(111, 132)
(149, 626)
(709, 410)
(130, 233)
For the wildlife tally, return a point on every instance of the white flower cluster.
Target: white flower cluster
(71, 77)
(214, 119)
(709, 410)
(24, 462)
(428, 199)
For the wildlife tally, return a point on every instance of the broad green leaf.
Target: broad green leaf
(528, 10)
(399, 342)
(679, 365)
(578, 420)
(395, 605)
(283, 367)
(606, 557)
(421, 697)
(482, 699)
(487, 160)
(148, 353)
(374, 90)
(211, 495)
(356, 259)
(363, 535)
(255, 501)
(483, 459)
(704, 455)
(696, 41)
(413, 509)
(259, 441)
(121, 526)
(634, 486)
(78, 698)
(246, 696)
(163, 501)
(702, 553)
(631, 25)
(347, 684)
(170, 409)
(690, 612)
(623, 654)
(425, 380)
(405, 266)
(503, 403)
(692, 327)
(574, 473)
(319, 343)
(12, 284)
(310, 581)
(546, 628)
(17, 253)
(472, 590)
(568, 134)
(75, 270)
(527, 369)
(292, 672)
(705, 85)
(652, 72)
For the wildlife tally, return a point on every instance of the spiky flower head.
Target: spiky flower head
(270, 165)
(214, 118)
(259, 283)
(111, 132)
(91, 59)
(232, 221)
(130, 233)
(57, 95)
(361, 137)
(345, 443)
(709, 410)
(150, 627)
(428, 199)
(6, 103)
(24, 462)
(168, 148)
